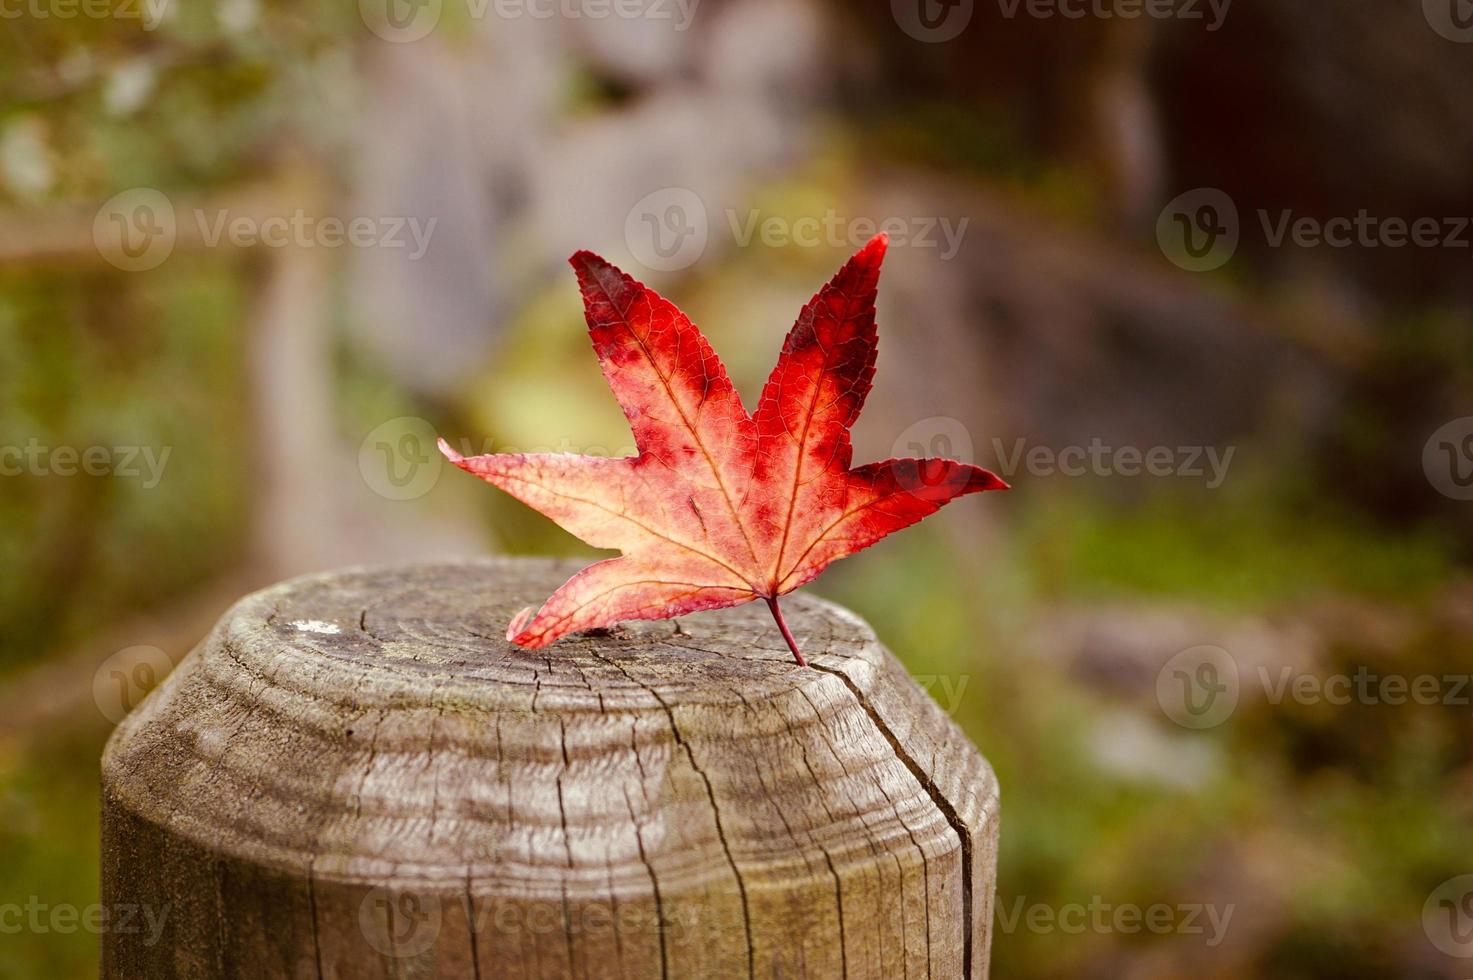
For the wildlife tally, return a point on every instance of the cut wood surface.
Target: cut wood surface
(356, 776)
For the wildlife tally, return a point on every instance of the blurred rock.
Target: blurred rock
(1060, 337)
(1122, 647)
(481, 138)
(1131, 746)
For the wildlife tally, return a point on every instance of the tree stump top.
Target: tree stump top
(373, 727)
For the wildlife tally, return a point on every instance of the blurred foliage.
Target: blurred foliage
(49, 837)
(1324, 827)
(984, 141)
(1416, 374)
(1345, 810)
(199, 97)
(1239, 546)
(149, 369)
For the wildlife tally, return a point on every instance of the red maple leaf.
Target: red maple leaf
(720, 507)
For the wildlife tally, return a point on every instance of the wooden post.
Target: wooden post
(355, 776)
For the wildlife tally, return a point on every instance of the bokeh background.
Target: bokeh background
(1194, 277)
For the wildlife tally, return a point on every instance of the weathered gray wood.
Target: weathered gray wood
(355, 776)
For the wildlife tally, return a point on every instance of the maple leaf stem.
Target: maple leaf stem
(782, 624)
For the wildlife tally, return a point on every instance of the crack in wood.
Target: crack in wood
(964, 836)
(280, 773)
(473, 925)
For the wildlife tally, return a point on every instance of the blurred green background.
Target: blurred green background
(732, 153)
